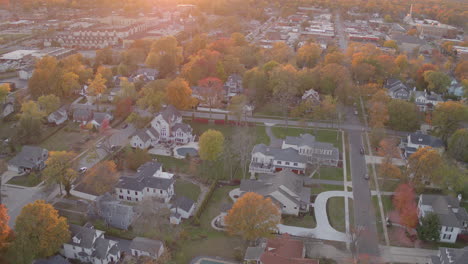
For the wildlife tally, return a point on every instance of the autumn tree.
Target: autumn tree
(404, 202)
(336, 57)
(5, 230)
(243, 141)
(104, 56)
(437, 81)
(211, 145)
(458, 144)
(97, 86)
(69, 83)
(40, 232)
(179, 94)
(420, 80)
(403, 115)
(461, 70)
(378, 110)
(308, 55)
(134, 158)
(165, 55)
(280, 52)
(123, 107)
(127, 89)
(284, 85)
(48, 103)
(106, 73)
(388, 148)
(152, 95)
(102, 177)
(211, 91)
(423, 166)
(59, 169)
(390, 44)
(237, 105)
(388, 170)
(44, 77)
(429, 230)
(205, 63)
(30, 120)
(255, 81)
(253, 216)
(447, 118)
(4, 90)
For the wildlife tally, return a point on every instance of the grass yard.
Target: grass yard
(228, 131)
(187, 189)
(269, 109)
(307, 221)
(336, 213)
(172, 164)
(62, 141)
(204, 240)
(330, 136)
(30, 180)
(330, 173)
(316, 189)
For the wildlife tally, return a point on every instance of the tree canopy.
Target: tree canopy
(211, 145)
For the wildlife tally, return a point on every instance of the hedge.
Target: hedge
(204, 203)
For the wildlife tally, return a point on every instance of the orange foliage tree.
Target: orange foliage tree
(253, 216)
(4, 228)
(179, 94)
(40, 232)
(102, 177)
(404, 202)
(424, 165)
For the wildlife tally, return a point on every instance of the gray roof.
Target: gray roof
(57, 259)
(81, 113)
(85, 234)
(28, 157)
(403, 38)
(114, 212)
(143, 135)
(253, 253)
(148, 72)
(148, 169)
(453, 255)
(269, 183)
(169, 113)
(153, 132)
(309, 140)
(145, 178)
(426, 140)
(147, 245)
(442, 206)
(184, 127)
(100, 116)
(302, 140)
(101, 247)
(182, 202)
(429, 96)
(288, 154)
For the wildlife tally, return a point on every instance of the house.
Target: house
(57, 259)
(82, 115)
(285, 188)
(456, 89)
(294, 154)
(113, 211)
(453, 218)
(278, 250)
(146, 247)
(450, 256)
(7, 108)
(58, 117)
(183, 206)
(417, 140)
(426, 101)
(89, 245)
(166, 127)
(397, 90)
(113, 93)
(26, 73)
(148, 73)
(99, 117)
(233, 85)
(30, 158)
(311, 96)
(149, 181)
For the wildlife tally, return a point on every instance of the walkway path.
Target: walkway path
(274, 141)
(379, 160)
(323, 230)
(406, 255)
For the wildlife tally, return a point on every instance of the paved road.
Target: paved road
(342, 41)
(407, 255)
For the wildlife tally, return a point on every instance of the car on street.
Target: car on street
(361, 150)
(356, 112)
(366, 176)
(125, 126)
(82, 169)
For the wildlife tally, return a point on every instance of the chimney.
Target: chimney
(459, 197)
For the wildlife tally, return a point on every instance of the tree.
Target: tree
(280, 52)
(461, 70)
(40, 232)
(4, 90)
(104, 56)
(123, 107)
(403, 115)
(128, 89)
(253, 216)
(205, 63)
(48, 103)
(378, 110)
(106, 73)
(237, 105)
(243, 141)
(284, 85)
(101, 178)
(390, 44)
(97, 86)
(179, 94)
(30, 120)
(211, 91)
(165, 55)
(5, 230)
(388, 148)
(423, 166)
(429, 230)
(69, 83)
(404, 194)
(211, 145)
(134, 158)
(152, 95)
(437, 81)
(420, 81)
(458, 144)
(388, 170)
(308, 55)
(57, 170)
(447, 118)
(44, 78)
(335, 57)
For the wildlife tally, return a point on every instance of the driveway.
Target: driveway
(323, 230)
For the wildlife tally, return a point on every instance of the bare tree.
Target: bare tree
(243, 141)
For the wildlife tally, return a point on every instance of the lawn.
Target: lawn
(307, 221)
(62, 141)
(187, 189)
(205, 241)
(30, 180)
(316, 189)
(330, 173)
(330, 136)
(172, 164)
(336, 213)
(228, 131)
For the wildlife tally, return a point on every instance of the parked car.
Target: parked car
(366, 176)
(125, 126)
(361, 150)
(82, 169)
(356, 112)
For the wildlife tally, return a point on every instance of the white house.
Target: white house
(426, 101)
(285, 188)
(417, 140)
(7, 108)
(233, 85)
(90, 246)
(58, 117)
(306, 145)
(141, 246)
(397, 90)
(311, 96)
(453, 218)
(26, 73)
(183, 206)
(30, 158)
(166, 127)
(149, 181)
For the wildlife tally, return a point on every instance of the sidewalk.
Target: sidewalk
(379, 160)
(407, 255)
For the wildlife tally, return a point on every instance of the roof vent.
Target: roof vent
(420, 139)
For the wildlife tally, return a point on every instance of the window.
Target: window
(147, 189)
(295, 163)
(287, 162)
(120, 196)
(136, 193)
(160, 191)
(129, 198)
(447, 236)
(128, 192)
(136, 199)
(120, 190)
(449, 229)
(278, 162)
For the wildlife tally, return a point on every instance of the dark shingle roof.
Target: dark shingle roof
(28, 157)
(442, 206)
(426, 140)
(143, 135)
(147, 245)
(184, 127)
(145, 178)
(170, 113)
(280, 154)
(183, 203)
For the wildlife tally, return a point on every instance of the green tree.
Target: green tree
(127, 89)
(59, 169)
(30, 121)
(447, 118)
(211, 145)
(134, 158)
(40, 232)
(165, 55)
(104, 56)
(69, 83)
(102, 177)
(403, 115)
(153, 95)
(429, 230)
(437, 81)
(48, 103)
(458, 144)
(390, 44)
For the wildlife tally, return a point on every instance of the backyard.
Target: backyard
(307, 221)
(30, 180)
(321, 135)
(187, 189)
